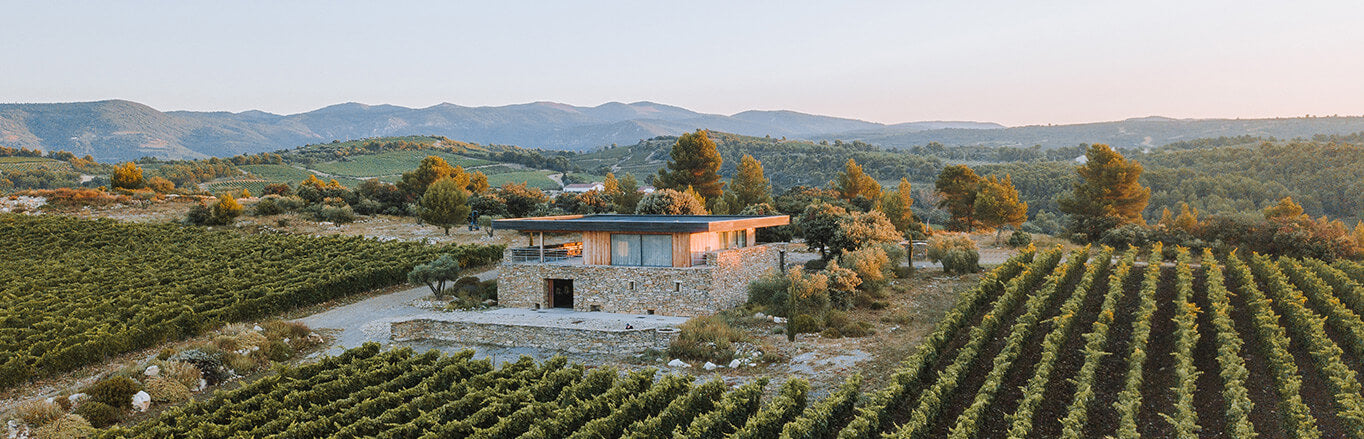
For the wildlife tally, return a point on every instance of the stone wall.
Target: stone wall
(720, 284)
(552, 338)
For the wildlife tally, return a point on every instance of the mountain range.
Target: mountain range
(121, 130)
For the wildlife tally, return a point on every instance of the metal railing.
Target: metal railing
(549, 253)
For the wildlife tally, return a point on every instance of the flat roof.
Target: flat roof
(640, 223)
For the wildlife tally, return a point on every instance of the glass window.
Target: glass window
(625, 249)
(647, 250)
(658, 250)
(740, 238)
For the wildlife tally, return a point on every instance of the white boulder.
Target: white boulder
(678, 363)
(709, 366)
(76, 399)
(776, 319)
(152, 370)
(141, 401)
(734, 364)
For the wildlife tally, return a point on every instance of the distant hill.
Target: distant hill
(1145, 132)
(121, 130)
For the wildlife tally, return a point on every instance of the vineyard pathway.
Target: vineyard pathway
(368, 320)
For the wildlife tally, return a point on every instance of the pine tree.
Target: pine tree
(695, 163)
(749, 186)
(1286, 209)
(997, 205)
(853, 183)
(1108, 193)
(445, 204)
(127, 176)
(897, 207)
(957, 184)
(628, 198)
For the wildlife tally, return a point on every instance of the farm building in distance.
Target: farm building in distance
(677, 265)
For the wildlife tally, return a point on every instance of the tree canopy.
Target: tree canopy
(695, 163)
(1109, 193)
(853, 183)
(997, 204)
(127, 176)
(670, 202)
(958, 185)
(445, 204)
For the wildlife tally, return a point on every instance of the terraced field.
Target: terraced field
(10, 164)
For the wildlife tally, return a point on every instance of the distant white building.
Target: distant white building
(584, 187)
(646, 189)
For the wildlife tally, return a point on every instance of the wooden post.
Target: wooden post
(781, 260)
(542, 247)
(909, 254)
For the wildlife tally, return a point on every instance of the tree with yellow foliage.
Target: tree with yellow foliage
(127, 176)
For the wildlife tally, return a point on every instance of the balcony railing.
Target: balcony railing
(549, 253)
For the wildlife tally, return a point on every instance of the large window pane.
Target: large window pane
(658, 250)
(625, 249)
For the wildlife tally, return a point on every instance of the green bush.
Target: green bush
(706, 338)
(210, 365)
(957, 253)
(99, 414)
(816, 264)
(805, 323)
(770, 292)
(267, 206)
(1019, 239)
(116, 391)
(334, 214)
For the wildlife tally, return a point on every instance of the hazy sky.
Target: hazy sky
(1033, 62)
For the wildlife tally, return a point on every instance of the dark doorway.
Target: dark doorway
(560, 293)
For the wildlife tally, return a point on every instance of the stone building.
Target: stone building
(676, 265)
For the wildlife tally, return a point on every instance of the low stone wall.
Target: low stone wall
(550, 338)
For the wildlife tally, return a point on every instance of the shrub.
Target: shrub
(167, 390)
(334, 214)
(267, 206)
(770, 292)
(209, 365)
(871, 264)
(956, 252)
(67, 427)
(278, 350)
(843, 285)
(99, 414)
(116, 391)
(181, 372)
(670, 202)
(280, 329)
(242, 364)
(38, 413)
(706, 338)
(1131, 235)
(803, 323)
(1019, 238)
(816, 264)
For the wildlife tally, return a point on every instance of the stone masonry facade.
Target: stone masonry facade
(720, 284)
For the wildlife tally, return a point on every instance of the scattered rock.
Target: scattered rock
(76, 399)
(141, 401)
(759, 315)
(709, 366)
(203, 384)
(734, 364)
(776, 319)
(152, 370)
(257, 328)
(678, 363)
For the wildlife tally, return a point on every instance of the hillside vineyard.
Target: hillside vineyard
(1095, 344)
(78, 291)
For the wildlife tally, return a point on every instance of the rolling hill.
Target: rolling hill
(121, 130)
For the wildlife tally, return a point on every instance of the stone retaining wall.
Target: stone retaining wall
(551, 338)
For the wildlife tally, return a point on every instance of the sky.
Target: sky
(1015, 63)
